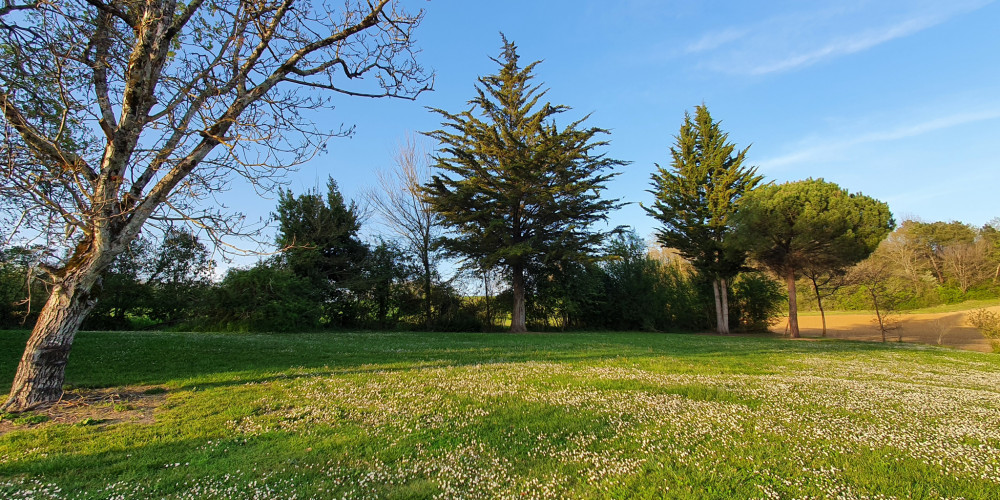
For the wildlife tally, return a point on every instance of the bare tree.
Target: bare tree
(906, 251)
(876, 276)
(825, 283)
(967, 264)
(122, 112)
(405, 211)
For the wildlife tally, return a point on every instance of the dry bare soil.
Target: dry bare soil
(948, 329)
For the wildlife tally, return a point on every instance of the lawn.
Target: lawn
(582, 415)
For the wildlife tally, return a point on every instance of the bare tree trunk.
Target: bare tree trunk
(517, 313)
(724, 289)
(793, 307)
(487, 300)
(42, 370)
(878, 314)
(428, 319)
(819, 302)
(718, 306)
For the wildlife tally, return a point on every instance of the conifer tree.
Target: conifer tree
(810, 224)
(320, 240)
(517, 190)
(696, 199)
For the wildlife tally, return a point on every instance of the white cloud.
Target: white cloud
(815, 150)
(795, 40)
(716, 39)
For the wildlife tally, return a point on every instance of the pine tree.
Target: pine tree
(517, 190)
(810, 224)
(696, 199)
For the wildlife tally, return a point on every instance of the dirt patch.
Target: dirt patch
(134, 404)
(947, 329)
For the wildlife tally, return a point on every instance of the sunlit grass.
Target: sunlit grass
(585, 415)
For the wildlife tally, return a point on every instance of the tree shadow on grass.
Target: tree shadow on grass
(190, 360)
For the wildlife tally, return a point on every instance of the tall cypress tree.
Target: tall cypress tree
(517, 190)
(696, 199)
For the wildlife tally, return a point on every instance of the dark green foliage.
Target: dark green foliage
(698, 195)
(319, 237)
(627, 290)
(161, 285)
(380, 292)
(453, 312)
(517, 190)
(124, 292)
(266, 297)
(564, 295)
(642, 293)
(757, 299)
(180, 278)
(810, 223)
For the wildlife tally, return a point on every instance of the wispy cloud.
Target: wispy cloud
(795, 40)
(813, 150)
(716, 39)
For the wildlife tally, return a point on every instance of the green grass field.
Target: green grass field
(582, 415)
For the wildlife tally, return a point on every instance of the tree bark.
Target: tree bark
(724, 289)
(517, 314)
(878, 313)
(819, 302)
(42, 370)
(793, 307)
(425, 261)
(718, 306)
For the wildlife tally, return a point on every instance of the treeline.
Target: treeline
(920, 264)
(516, 203)
(327, 278)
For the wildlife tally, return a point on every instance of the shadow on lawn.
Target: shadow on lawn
(107, 359)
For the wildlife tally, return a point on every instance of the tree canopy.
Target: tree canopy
(696, 198)
(515, 188)
(809, 224)
(121, 112)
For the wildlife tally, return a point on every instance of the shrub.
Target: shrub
(987, 322)
(755, 301)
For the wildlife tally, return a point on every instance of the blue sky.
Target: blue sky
(899, 100)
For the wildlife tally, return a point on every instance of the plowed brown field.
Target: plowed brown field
(948, 329)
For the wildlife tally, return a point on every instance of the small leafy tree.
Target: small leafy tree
(696, 199)
(757, 301)
(265, 297)
(878, 279)
(517, 190)
(810, 224)
(180, 277)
